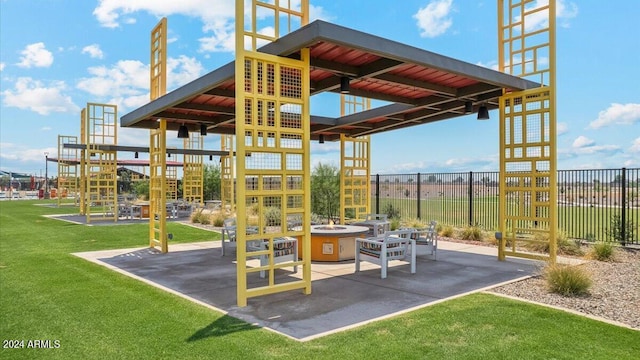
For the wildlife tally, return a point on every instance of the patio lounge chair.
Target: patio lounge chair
(393, 245)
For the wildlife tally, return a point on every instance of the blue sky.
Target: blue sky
(57, 55)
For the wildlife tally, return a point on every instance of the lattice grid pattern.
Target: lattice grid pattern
(193, 178)
(272, 132)
(227, 174)
(101, 165)
(68, 176)
(158, 143)
(158, 187)
(525, 39)
(526, 161)
(355, 168)
(528, 208)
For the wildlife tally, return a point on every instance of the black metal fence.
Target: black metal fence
(595, 205)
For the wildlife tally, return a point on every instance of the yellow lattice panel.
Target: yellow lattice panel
(272, 162)
(193, 170)
(527, 171)
(83, 163)
(171, 180)
(528, 206)
(527, 39)
(68, 175)
(101, 165)
(158, 187)
(227, 173)
(355, 167)
(159, 181)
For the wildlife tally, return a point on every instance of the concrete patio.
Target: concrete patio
(340, 298)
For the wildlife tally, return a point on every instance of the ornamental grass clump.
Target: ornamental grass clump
(602, 251)
(473, 233)
(567, 280)
(447, 231)
(201, 217)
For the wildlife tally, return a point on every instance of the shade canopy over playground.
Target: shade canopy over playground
(421, 86)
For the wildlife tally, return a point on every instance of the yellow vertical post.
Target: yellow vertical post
(272, 149)
(83, 165)
(355, 165)
(193, 171)
(528, 157)
(101, 165)
(67, 169)
(227, 173)
(158, 142)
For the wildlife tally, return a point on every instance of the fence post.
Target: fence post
(623, 216)
(470, 198)
(418, 196)
(377, 193)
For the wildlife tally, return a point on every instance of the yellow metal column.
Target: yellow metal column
(227, 173)
(193, 169)
(67, 169)
(158, 142)
(355, 165)
(101, 165)
(528, 170)
(273, 150)
(83, 164)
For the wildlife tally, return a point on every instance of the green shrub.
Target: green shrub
(391, 211)
(471, 233)
(620, 232)
(602, 251)
(447, 231)
(567, 280)
(394, 224)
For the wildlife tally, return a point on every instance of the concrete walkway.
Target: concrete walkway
(340, 298)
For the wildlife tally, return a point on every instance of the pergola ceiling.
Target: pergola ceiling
(421, 86)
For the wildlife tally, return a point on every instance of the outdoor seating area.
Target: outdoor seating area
(130, 210)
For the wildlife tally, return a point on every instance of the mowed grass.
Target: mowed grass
(48, 294)
(582, 222)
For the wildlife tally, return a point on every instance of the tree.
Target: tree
(212, 182)
(325, 190)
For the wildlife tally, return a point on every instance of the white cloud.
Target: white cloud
(94, 51)
(2, 65)
(126, 83)
(126, 77)
(217, 17)
(635, 147)
(582, 141)
(433, 19)
(493, 65)
(562, 128)
(35, 96)
(625, 114)
(35, 55)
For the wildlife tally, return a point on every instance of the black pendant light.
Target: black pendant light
(344, 85)
(203, 129)
(483, 112)
(183, 132)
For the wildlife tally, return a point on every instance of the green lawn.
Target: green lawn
(580, 222)
(95, 313)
